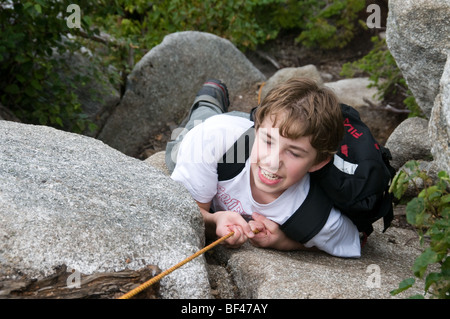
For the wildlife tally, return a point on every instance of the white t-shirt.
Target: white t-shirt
(196, 168)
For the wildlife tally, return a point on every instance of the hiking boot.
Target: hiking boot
(215, 92)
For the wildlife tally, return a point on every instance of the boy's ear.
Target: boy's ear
(318, 166)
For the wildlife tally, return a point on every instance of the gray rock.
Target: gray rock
(355, 92)
(164, 83)
(70, 199)
(282, 75)
(264, 273)
(158, 160)
(439, 126)
(410, 141)
(417, 35)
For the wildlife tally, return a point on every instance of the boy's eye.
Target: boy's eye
(294, 154)
(266, 140)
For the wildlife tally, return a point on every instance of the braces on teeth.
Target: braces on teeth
(269, 175)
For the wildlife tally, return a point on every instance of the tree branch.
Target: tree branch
(387, 107)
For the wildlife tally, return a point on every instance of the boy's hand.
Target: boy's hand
(270, 235)
(227, 221)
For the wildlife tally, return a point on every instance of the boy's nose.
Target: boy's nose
(272, 161)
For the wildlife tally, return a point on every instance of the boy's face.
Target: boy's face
(278, 162)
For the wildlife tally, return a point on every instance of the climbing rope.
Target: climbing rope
(260, 92)
(155, 279)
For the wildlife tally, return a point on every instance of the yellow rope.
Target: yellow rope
(260, 92)
(155, 279)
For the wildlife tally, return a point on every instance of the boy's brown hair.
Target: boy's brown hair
(300, 107)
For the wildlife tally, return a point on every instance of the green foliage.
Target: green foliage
(145, 24)
(384, 73)
(32, 47)
(429, 212)
(331, 24)
(321, 23)
(36, 41)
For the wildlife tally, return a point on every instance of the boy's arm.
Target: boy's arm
(221, 223)
(210, 227)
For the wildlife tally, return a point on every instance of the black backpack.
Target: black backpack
(356, 181)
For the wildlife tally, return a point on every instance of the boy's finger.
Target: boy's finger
(249, 231)
(245, 229)
(257, 217)
(269, 224)
(238, 237)
(260, 219)
(256, 227)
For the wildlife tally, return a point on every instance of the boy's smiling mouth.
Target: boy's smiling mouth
(268, 178)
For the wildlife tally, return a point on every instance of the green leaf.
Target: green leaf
(39, 74)
(433, 192)
(443, 175)
(92, 127)
(421, 263)
(405, 284)
(431, 279)
(21, 58)
(414, 209)
(38, 8)
(27, 5)
(416, 297)
(41, 2)
(445, 199)
(412, 165)
(43, 119)
(36, 85)
(30, 91)
(87, 20)
(20, 78)
(12, 89)
(59, 121)
(399, 184)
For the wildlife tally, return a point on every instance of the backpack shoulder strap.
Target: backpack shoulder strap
(233, 161)
(311, 216)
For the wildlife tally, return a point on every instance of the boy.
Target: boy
(298, 127)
